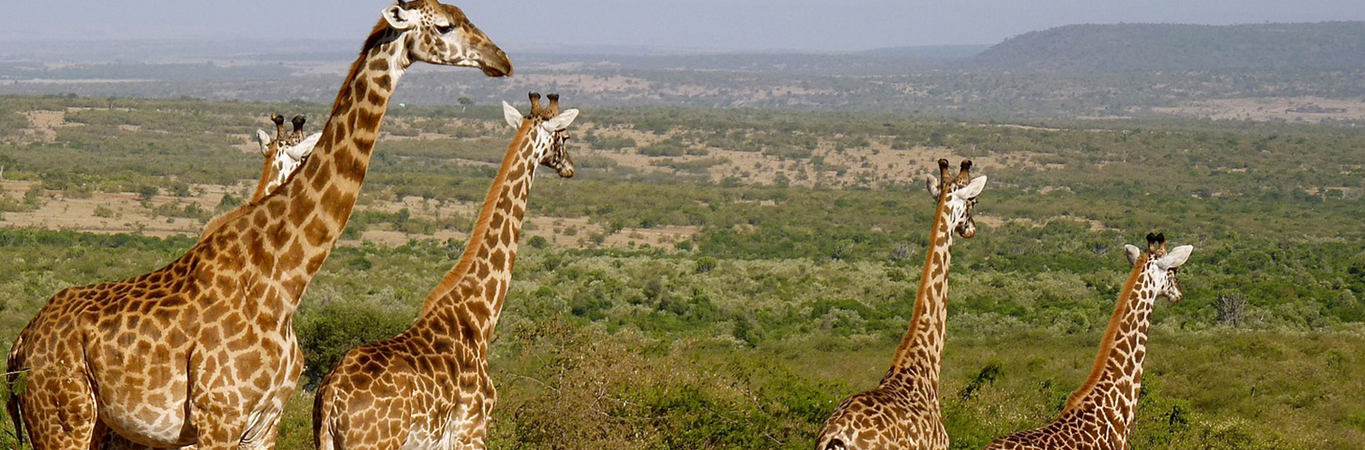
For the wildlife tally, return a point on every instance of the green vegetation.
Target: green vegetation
(789, 298)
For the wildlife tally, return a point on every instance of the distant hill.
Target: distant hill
(1168, 47)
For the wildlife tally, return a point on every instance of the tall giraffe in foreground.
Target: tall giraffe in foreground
(284, 154)
(1099, 415)
(903, 411)
(202, 352)
(428, 388)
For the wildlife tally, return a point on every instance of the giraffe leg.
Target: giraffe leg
(114, 441)
(480, 409)
(219, 425)
(59, 411)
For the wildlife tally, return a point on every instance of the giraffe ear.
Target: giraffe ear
(304, 147)
(1132, 252)
(511, 114)
(1175, 257)
(263, 139)
(561, 121)
(400, 18)
(931, 185)
(973, 189)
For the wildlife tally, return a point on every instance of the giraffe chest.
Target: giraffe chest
(456, 411)
(1075, 430)
(154, 389)
(888, 419)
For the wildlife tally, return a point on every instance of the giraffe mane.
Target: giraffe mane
(379, 35)
(917, 314)
(1110, 334)
(452, 279)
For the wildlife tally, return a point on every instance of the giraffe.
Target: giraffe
(284, 154)
(1099, 415)
(202, 352)
(428, 387)
(903, 411)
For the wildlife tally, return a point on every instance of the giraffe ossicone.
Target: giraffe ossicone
(202, 352)
(903, 411)
(428, 387)
(1099, 415)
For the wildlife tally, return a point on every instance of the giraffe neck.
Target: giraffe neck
(920, 350)
(1116, 378)
(267, 175)
(474, 290)
(261, 189)
(292, 229)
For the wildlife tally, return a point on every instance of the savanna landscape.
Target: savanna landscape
(741, 246)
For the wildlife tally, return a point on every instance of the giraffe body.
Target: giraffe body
(903, 411)
(202, 352)
(1099, 415)
(428, 387)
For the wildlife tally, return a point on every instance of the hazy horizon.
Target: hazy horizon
(705, 25)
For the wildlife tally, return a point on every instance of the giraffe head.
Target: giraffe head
(437, 33)
(958, 195)
(547, 132)
(1161, 265)
(284, 153)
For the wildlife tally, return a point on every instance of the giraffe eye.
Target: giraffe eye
(445, 29)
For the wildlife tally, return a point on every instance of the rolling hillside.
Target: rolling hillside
(1168, 47)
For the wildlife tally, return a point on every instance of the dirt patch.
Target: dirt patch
(124, 212)
(42, 126)
(996, 221)
(586, 83)
(1290, 109)
(111, 213)
(876, 165)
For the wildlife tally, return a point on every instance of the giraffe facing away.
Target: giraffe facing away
(1099, 415)
(284, 154)
(903, 411)
(428, 388)
(202, 352)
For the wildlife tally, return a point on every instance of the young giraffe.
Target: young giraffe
(428, 388)
(903, 411)
(284, 154)
(203, 351)
(1099, 415)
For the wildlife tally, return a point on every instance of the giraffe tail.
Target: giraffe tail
(14, 371)
(12, 407)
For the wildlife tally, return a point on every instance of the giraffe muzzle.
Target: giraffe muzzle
(495, 63)
(968, 229)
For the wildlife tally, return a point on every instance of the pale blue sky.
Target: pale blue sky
(726, 25)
